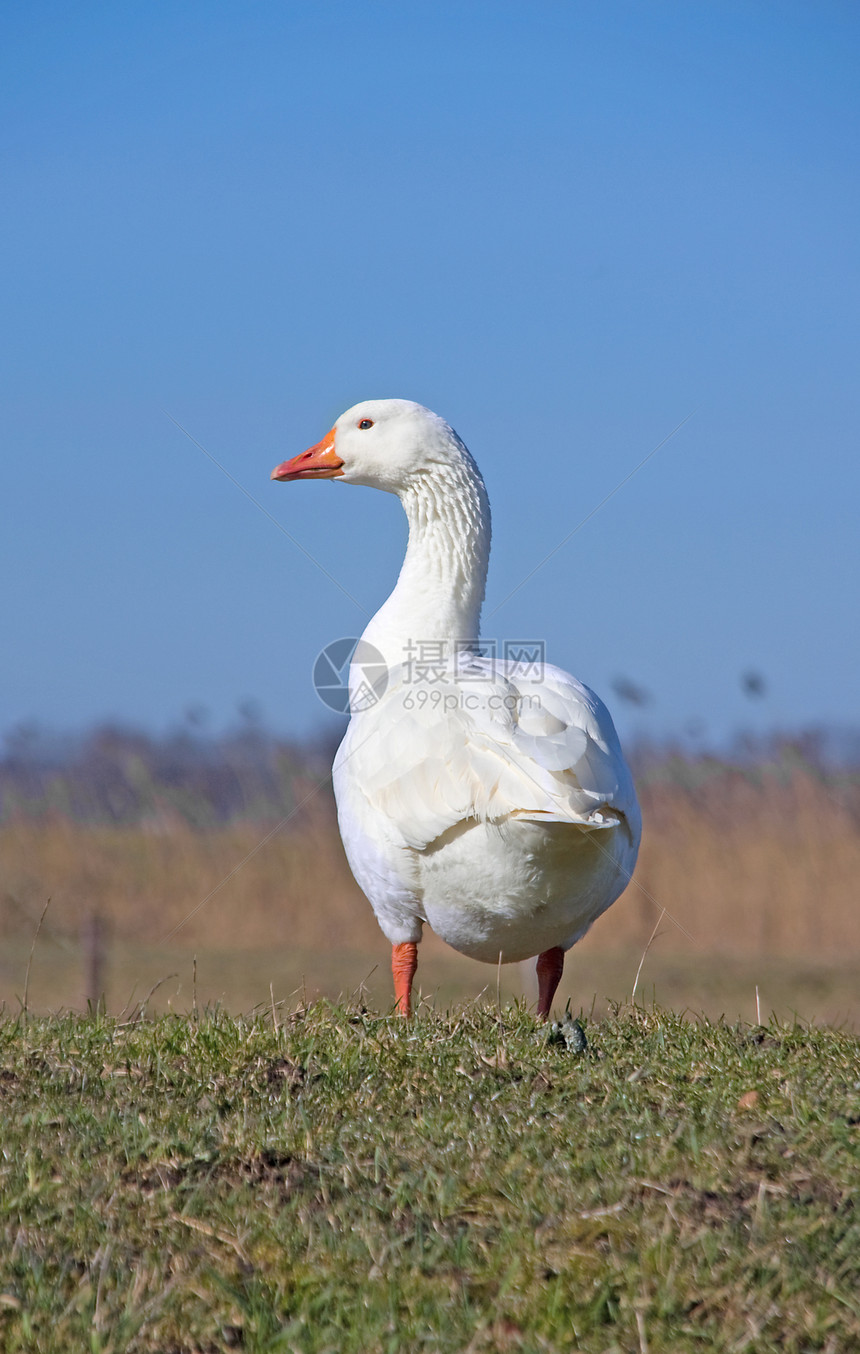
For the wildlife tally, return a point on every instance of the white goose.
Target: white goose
(489, 799)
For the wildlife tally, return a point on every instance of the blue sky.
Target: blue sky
(565, 227)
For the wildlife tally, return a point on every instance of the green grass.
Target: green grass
(350, 1183)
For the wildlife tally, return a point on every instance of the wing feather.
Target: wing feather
(488, 742)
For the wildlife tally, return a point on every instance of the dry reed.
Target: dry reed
(748, 863)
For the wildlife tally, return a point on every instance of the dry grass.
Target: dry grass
(753, 868)
(751, 863)
(747, 864)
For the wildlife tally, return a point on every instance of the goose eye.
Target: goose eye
(365, 423)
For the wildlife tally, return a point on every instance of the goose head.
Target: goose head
(385, 444)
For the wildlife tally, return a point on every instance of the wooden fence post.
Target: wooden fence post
(95, 960)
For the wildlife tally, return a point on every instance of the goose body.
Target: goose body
(486, 797)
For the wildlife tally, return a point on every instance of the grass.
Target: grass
(340, 1181)
(242, 979)
(745, 862)
(754, 862)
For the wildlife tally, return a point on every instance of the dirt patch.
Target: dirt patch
(270, 1169)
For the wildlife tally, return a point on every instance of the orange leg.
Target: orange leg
(550, 966)
(404, 962)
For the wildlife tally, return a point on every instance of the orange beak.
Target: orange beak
(317, 463)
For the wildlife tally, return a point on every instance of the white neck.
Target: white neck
(441, 585)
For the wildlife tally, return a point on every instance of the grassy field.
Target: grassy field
(231, 854)
(242, 979)
(333, 1180)
(754, 861)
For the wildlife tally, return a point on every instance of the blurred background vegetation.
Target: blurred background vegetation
(191, 853)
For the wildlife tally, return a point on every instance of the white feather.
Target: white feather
(487, 798)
